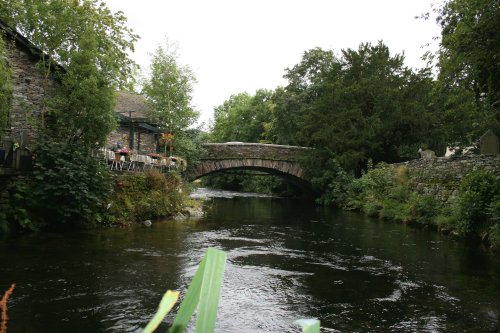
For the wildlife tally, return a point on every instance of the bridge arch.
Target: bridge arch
(279, 160)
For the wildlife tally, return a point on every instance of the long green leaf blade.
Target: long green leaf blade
(190, 301)
(166, 304)
(308, 325)
(210, 290)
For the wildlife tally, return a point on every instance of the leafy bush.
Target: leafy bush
(493, 210)
(139, 197)
(478, 197)
(372, 206)
(74, 179)
(68, 187)
(384, 192)
(392, 209)
(422, 209)
(333, 181)
(18, 216)
(378, 185)
(494, 235)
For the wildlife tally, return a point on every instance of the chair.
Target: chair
(109, 155)
(148, 162)
(129, 161)
(117, 163)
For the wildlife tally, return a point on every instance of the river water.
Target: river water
(287, 260)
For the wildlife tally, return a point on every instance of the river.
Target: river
(287, 259)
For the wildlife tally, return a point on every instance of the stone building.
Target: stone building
(30, 88)
(136, 131)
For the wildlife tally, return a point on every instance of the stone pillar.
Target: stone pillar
(489, 143)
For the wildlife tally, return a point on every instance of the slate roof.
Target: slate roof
(129, 101)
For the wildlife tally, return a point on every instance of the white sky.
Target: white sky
(236, 46)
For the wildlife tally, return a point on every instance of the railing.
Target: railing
(129, 161)
(21, 159)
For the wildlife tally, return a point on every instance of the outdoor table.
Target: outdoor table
(156, 159)
(123, 152)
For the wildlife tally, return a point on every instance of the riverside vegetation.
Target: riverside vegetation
(70, 188)
(385, 192)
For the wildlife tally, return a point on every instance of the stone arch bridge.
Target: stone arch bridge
(283, 161)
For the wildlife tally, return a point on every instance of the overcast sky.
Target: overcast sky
(236, 46)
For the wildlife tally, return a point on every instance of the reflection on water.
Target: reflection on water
(286, 260)
(205, 193)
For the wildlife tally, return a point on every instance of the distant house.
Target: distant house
(136, 131)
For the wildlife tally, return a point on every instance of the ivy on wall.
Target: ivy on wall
(5, 87)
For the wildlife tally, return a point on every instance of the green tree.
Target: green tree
(469, 70)
(228, 118)
(83, 109)
(243, 117)
(169, 90)
(188, 144)
(366, 104)
(305, 80)
(57, 27)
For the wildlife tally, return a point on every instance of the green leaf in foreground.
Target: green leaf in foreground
(166, 304)
(210, 290)
(205, 290)
(308, 325)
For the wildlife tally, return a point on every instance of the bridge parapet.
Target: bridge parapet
(284, 161)
(241, 150)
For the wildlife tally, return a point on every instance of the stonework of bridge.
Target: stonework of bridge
(283, 161)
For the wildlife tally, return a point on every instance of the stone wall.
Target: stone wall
(222, 151)
(146, 145)
(30, 91)
(440, 177)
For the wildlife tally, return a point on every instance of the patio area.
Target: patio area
(126, 160)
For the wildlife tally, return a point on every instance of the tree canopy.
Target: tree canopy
(58, 28)
(363, 104)
(469, 68)
(169, 90)
(243, 117)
